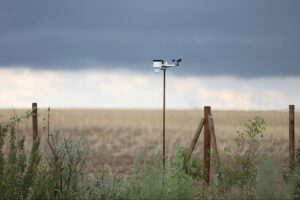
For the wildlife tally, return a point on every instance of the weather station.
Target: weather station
(159, 65)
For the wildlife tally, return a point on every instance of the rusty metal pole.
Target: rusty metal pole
(34, 122)
(206, 157)
(164, 119)
(292, 133)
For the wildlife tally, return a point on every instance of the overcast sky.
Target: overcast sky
(230, 42)
(239, 38)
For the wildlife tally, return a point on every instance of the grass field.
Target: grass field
(116, 137)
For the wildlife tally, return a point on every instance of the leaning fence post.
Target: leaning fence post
(195, 139)
(34, 122)
(292, 133)
(215, 148)
(206, 157)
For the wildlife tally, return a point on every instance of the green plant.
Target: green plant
(17, 172)
(294, 175)
(239, 178)
(179, 180)
(297, 174)
(151, 181)
(57, 174)
(64, 166)
(269, 181)
(192, 167)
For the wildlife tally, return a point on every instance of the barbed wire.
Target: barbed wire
(84, 110)
(244, 110)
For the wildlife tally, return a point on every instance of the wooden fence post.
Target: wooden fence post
(292, 133)
(206, 157)
(34, 122)
(216, 157)
(195, 139)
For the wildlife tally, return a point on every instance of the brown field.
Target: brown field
(117, 137)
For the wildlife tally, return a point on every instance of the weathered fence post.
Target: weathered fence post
(34, 122)
(195, 139)
(215, 155)
(292, 133)
(207, 112)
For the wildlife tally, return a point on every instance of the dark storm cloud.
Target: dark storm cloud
(239, 38)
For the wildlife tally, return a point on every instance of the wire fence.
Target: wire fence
(118, 136)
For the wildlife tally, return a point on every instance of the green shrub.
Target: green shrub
(63, 168)
(152, 181)
(17, 172)
(240, 176)
(60, 175)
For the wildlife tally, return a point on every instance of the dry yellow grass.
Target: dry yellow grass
(116, 137)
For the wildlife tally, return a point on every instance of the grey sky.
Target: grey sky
(236, 38)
